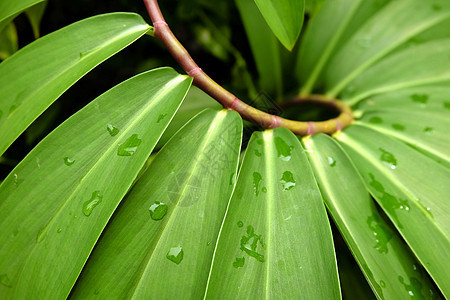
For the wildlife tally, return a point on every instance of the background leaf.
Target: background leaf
(38, 74)
(284, 17)
(10, 9)
(174, 212)
(56, 202)
(35, 14)
(275, 240)
(8, 41)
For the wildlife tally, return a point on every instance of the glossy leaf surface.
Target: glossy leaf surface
(284, 17)
(56, 202)
(420, 116)
(394, 24)
(426, 63)
(414, 192)
(379, 249)
(275, 240)
(174, 212)
(38, 74)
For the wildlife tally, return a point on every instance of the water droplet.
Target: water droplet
(428, 130)
(17, 180)
(287, 181)
(68, 161)
(381, 233)
(447, 105)
(42, 233)
(382, 283)
(257, 153)
(89, 205)
(331, 161)
(58, 230)
(4, 279)
(240, 224)
(158, 210)
(264, 189)
(12, 108)
(232, 179)
(376, 120)
(256, 182)
(239, 262)
(388, 200)
(86, 52)
(283, 149)
(420, 98)
(414, 289)
(388, 159)
(249, 244)
(175, 254)
(130, 146)
(399, 127)
(112, 129)
(160, 117)
(15, 232)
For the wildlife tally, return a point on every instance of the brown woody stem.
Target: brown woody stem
(230, 101)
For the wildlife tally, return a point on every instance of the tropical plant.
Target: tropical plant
(99, 210)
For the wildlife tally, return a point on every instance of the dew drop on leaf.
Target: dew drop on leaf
(331, 161)
(250, 244)
(256, 182)
(388, 159)
(161, 117)
(428, 130)
(414, 288)
(380, 232)
(419, 98)
(158, 210)
(257, 153)
(175, 254)
(240, 224)
(376, 120)
(398, 127)
(112, 130)
(68, 161)
(4, 279)
(130, 146)
(42, 233)
(239, 262)
(89, 205)
(58, 230)
(283, 149)
(287, 181)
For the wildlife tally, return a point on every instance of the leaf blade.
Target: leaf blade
(32, 78)
(284, 17)
(256, 249)
(74, 179)
(190, 221)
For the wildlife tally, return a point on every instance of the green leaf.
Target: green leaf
(413, 191)
(8, 41)
(56, 202)
(10, 9)
(264, 45)
(379, 250)
(284, 17)
(276, 240)
(394, 24)
(427, 63)
(38, 74)
(196, 101)
(418, 116)
(35, 14)
(161, 241)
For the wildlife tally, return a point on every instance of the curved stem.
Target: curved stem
(230, 101)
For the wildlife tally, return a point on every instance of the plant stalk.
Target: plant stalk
(230, 101)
